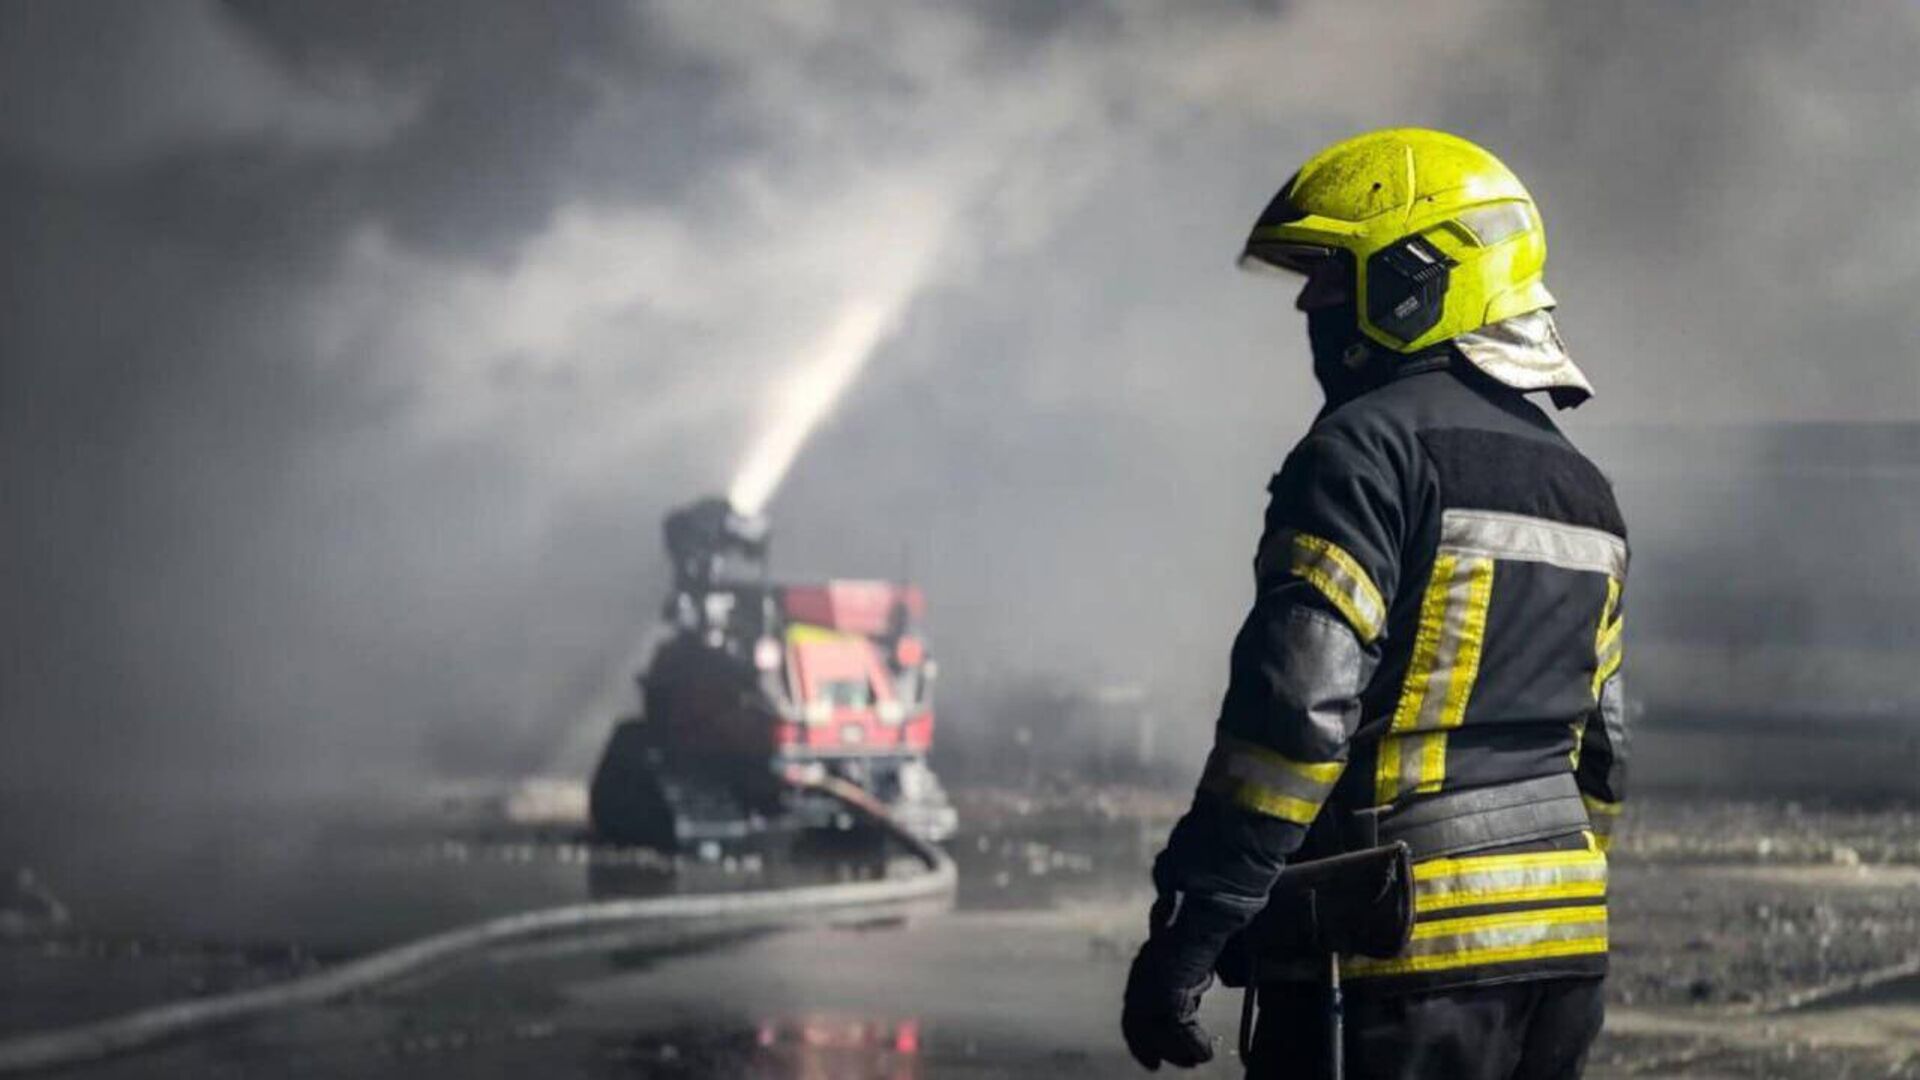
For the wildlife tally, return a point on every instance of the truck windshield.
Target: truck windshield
(846, 693)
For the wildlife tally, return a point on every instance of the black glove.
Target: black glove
(1173, 970)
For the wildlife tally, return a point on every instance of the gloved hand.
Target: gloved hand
(1158, 1016)
(1159, 1020)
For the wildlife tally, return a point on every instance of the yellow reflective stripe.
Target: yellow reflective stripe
(1531, 860)
(1386, 774)
(1609, 666)
(1327, 567)
(1601, 808)
(1508, 937)
(1607, 638)
(1441, 884)
(1471, 633)
(1440, 676)
(1426, 646)
(1603, 815)
(1606, 653)
(1515, 894)
(1433, 762)
(1268, 782)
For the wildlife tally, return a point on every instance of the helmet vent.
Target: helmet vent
(1407, 287)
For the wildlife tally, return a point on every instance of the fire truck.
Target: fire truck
(757, 687)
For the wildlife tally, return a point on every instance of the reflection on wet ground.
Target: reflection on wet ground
(1046, 865)
(806, 1046)
(238, 900)
(1018, 976)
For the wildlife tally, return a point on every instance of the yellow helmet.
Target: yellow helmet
(1442, 238)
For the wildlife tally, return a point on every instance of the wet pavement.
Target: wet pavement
(1020, 976)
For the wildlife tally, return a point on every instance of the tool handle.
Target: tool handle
(1336, 1021)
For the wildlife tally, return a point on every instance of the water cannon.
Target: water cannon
(709, 541)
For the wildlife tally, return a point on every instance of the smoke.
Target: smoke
(825, 370)
(171, 76)
(350, 354)
(805, 398)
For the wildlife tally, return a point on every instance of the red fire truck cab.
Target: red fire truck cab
(755, 685)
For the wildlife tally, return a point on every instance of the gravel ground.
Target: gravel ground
(1750, 937)
(1752, 904)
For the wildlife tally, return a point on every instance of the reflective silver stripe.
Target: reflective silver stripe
(1495, 222)
(1420, 754)
(1268, 782)
(1329, 568)
(1440, 676)
(1525, 928)
(1526, 877)
(1508, 937)
(1530, 539)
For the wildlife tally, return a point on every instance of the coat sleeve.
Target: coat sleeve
(1601, 767)
(1325, 574)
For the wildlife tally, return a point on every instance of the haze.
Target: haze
(349, 356)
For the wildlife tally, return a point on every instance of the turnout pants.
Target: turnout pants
(1535, 1030)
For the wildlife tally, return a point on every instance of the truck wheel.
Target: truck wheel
(626, 801)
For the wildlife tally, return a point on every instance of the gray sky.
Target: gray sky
(350, 352)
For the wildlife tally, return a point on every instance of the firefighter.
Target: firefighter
(1432, 657)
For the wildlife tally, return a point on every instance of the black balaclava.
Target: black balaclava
(1345, 363)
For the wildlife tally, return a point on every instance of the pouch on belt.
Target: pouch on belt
(1360, 902)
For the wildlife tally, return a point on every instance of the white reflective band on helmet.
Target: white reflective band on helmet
(1527, 877)
(1268, 782)
(1508, 937)
(1530, 539)
(1495, 222)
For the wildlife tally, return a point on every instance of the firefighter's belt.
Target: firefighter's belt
(1305, 921)
(1474, 819)
(1357, 903)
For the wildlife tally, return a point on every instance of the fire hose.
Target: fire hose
(182, 1019)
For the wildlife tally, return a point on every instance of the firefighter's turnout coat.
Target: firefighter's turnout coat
(1433, 655)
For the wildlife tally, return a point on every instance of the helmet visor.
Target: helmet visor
(1329, 271)
(1294, 258)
